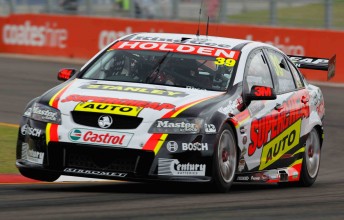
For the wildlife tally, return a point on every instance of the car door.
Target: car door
(283, 148)
(260, 115)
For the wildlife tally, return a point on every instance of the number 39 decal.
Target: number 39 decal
(223, 61)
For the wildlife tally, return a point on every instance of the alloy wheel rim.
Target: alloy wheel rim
(312, 153)
(226, 156)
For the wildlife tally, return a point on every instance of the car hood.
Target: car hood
(132, 99)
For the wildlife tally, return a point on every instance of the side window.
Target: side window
(285, 80)
(257, 70)
(296, 75)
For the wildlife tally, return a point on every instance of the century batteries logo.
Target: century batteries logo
(27, 34)
(141, 90)
(108, 108)
(32, 155)
(99, 137)
(277, 147)
(172, 167)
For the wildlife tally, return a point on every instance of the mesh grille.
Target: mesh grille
(119, 121)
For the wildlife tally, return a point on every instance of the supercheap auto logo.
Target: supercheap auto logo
(141, 90)
(284, 142)
(128, 102)
(275, 123)
(107, 108)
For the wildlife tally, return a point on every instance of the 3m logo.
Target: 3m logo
(262, 91)
(108, 108)
(280, 145)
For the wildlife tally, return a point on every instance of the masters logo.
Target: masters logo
(75, 134)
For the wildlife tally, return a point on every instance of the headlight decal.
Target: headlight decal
(155, 142)
(51, 131)
(54, 101)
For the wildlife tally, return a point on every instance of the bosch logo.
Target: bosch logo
(172, 146)
(105, 121)
(27, 130)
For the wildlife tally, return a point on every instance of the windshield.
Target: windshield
(181, 66)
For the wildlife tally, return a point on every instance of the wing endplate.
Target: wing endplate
(315, 63)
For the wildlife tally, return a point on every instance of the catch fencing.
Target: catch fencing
(326, 14)
(81, 37)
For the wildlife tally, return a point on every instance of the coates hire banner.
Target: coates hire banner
(82, 37)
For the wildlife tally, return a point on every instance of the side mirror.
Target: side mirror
(262, 93)
(65, 74)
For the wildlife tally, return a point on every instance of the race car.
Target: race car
(180, 108)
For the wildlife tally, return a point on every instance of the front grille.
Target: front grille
(104, 160)
(119, 121)
(80, 156)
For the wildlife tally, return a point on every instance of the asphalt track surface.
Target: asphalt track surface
(21, 80)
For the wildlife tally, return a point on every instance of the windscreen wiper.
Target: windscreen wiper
(152, 77)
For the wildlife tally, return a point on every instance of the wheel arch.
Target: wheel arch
(320, 131)
(231, 124)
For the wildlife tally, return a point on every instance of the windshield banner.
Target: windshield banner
(177, 48)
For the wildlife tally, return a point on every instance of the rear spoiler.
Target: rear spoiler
(315, 63)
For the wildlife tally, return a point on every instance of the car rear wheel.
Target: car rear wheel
(225, 160)
(311, 159)
(310, 163)
(39, 175)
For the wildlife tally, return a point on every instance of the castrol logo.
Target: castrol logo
(99, 137)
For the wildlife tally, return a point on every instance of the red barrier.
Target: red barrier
(82, 37)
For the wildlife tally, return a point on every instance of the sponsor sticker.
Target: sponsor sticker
(27, 113)
(32, 155)
(99, 137)
(95, 172)
(195, 146)
(107, 108)
(243, 178)
(127, 102)
(280, 145)
(27, 130)
(229, 109)
(172, 167)
(270, 126)
(183, 126)
(210, 128)
(45, 114)
(141, 90)
(172, 146)
(180, 40)
(177, 48)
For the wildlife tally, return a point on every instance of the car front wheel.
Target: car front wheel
(225, 159)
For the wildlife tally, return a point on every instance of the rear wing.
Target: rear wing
(315, 63)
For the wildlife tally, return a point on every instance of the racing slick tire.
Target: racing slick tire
(39, 175)
(310, 162)
(225, 160)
